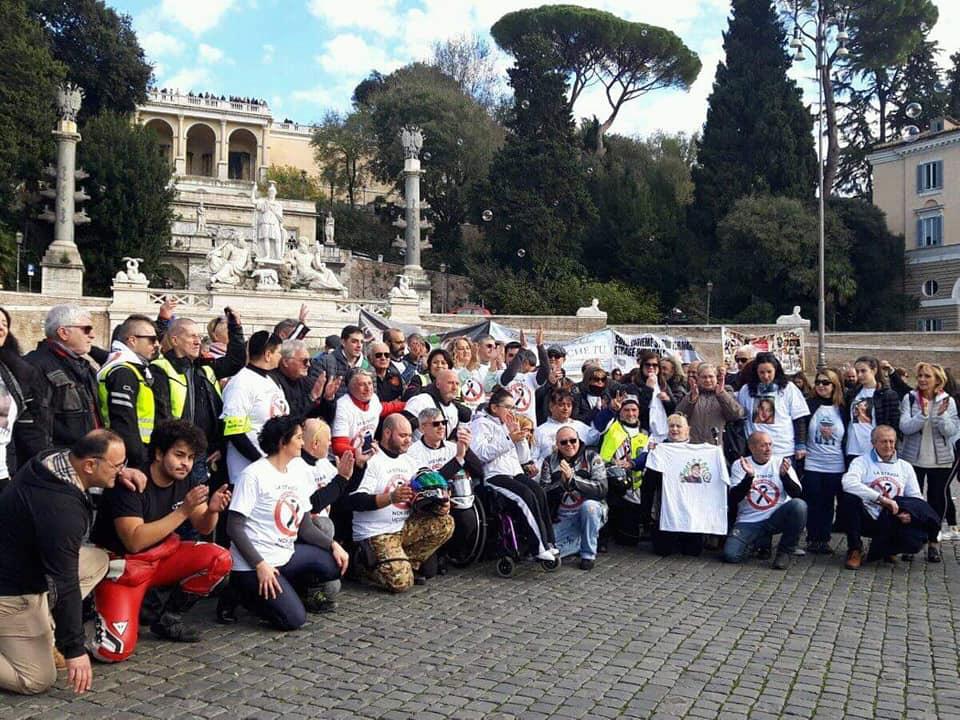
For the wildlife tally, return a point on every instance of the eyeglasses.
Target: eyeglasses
(741, 360)
(438, 423)
(87, 329)
(305, 362)
(151, 338)
(653, 365)
(115, 468)
(599, 380)
(381, 355)
(568, 441)
(823, 383)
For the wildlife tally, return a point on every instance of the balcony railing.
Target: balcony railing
(173, 98)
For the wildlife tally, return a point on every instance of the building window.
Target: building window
(930, 325)
(930, 176)
(930, 288)
(930, 231)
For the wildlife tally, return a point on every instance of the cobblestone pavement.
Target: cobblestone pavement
(638, 637)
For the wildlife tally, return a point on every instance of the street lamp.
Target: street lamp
(19, 237)
(823, 23)
(443, 305)
(709, 293)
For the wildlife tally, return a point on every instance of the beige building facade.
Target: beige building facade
(916, 182)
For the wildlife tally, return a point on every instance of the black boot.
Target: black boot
(170, 625)
(227, 605)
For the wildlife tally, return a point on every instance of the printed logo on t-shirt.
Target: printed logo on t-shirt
(696, 471)
(763, 494)
(522, 395)
(887, 485)
(286, 514)
(279, 406)
(472, 390)
(862, 411)
(764, 411)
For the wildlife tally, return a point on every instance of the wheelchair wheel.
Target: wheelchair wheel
(550, 565)
(505, 566)
(470, 551)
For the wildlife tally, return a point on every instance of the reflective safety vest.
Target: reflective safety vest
(178, 384)
(618, 445)
(146, 408)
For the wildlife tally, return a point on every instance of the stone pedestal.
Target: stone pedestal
(61, 271)
(405, 310)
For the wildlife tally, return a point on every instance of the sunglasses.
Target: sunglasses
(823, 383)
(439, 423)
(151, 338)
(741, 361)
(86, 329)
(651, 365)
(568, 441)
(381, 355)
(305, 362)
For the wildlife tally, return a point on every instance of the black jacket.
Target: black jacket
(67, 387)
(43, 521)
(31, 430)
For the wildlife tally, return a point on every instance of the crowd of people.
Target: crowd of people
(187, 461)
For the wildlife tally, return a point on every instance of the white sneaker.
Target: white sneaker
(948, 534)
(547, 556)
(799, 551)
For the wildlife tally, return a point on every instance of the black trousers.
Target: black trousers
(937, 480)
(531, 504)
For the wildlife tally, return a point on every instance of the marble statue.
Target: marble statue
(793, 319)
(228, 263)
(69, 99)
(132, 274)
(411, 139)
(329, 227)
(266, 279)
(592, 310)
(402, 289)
(311, 272)
(201, 219)
(268, 223)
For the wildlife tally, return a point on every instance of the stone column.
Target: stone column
(62, 267)
(223, 156)
(411, 191)
(263, 156)
(180, 161)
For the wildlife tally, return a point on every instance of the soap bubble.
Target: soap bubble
(589, 171)
(556, 203)
(487, 215)
(913, 110)
(460, 142)
(427, 156)
(508, 227)
(521, 253)
(525, 104)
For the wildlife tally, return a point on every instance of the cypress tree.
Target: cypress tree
(758, 135)
(920, 83)
(953, 87)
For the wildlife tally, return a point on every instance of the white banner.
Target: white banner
(611, 349)
(786, 344)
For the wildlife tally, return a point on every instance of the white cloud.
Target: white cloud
(947, 30)
(350, 56)
(276, 102)
(197, 79)
(198, 17)
(268, 51)
(209, 54)
(377, 16)
(159, 43)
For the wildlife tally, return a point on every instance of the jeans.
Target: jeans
(820, 491)
(787, 519)
(309, 566)
(577, 530)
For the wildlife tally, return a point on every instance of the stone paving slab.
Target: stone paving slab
(638, 637)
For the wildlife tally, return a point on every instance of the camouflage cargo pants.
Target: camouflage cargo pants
(399, 554)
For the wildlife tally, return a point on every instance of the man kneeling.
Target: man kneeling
(761, 484)
(882, 500)
(393, 541)
(142, 527)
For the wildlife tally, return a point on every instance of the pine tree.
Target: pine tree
(536, 196)
(953, 88)
(920, 83)
(758, 135)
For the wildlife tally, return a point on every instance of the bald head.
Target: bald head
(448, 385)
(397, 433)
(316, 437)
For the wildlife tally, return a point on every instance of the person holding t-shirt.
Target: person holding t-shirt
(275, 553)
(824, 465)
(526, 371)
(870, 403)
(766, 492)
(394, 542)
(774, 406)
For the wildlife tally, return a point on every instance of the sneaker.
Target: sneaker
(554, 550)
(799, 551)
(854, 559)
(171, 627)
(933, 553)
(316, 601)
(782, 560)
(587, 563)
(548, 555)
(764, 553)
(419, 579)
(906, 557)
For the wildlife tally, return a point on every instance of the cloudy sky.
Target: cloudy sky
(306, 56)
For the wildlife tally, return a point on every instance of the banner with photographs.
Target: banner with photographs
(786, 344)
(618, 350)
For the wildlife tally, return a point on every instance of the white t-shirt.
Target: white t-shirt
(825, 441)
(658, 417)
(523, 388)
(774, 413)
(766, 492)
(869, 477)
(472, 386)
(422, 401)
(863, 419)
(321, 472)
(383, 473)
(274, 503)
(432, 458)
(254, 397)
(352, 421)
(8, 416)
(695, 482)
